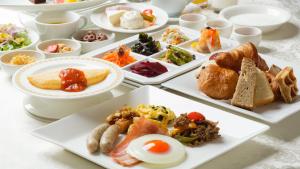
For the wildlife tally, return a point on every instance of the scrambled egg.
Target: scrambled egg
(21, 59)
(157, 113)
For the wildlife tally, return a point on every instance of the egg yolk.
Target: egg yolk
(156, 146)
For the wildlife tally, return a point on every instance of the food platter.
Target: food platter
(173, 70)
(21, 82)
(266, 18)
(271, 113)
(26, 5)
(99, 18)
(65, 134)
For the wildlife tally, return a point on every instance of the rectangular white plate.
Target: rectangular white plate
(271, 113)
(71, 132)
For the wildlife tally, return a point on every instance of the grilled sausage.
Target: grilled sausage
(109, 138)
(94, 137)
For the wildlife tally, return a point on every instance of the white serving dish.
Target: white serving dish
(90, 46)
(26, 5)
(34, 37)
(10, 69)
(266, 18)
(98, 17)
(74, 45)
(173, 69)
(21, 82)
(271, 113)
(68, 135)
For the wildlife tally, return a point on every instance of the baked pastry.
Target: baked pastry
(233, 59)
(271, 74)
(263, 92)
(245, 88)
(217, 82)
(287, 84)
(209, 41)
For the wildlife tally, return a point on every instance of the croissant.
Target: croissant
(233, 59)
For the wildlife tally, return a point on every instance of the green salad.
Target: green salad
(13, 37)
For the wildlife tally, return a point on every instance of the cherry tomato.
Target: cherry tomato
(196, 116)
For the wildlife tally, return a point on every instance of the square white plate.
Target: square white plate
(271, 113)
(71, 132)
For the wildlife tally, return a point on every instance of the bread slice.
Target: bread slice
(263, 91)
(245, 89)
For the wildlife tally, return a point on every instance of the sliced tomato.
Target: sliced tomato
(196, 116)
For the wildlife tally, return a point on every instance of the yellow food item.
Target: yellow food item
(198, 1)
(157, 113)
(21, 59)
(51, 80)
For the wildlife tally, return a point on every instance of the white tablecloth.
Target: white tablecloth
(279, 148)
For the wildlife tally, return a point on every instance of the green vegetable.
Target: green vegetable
(185, 139)
(177, 56)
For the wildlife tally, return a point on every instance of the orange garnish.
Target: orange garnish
(120, 56)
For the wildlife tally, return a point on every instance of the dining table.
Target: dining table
(278, 148)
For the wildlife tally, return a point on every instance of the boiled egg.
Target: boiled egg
(156, 149)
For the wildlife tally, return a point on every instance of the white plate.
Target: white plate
(26, 5)
(173, 70)
(21, 82)
(226, 44)
(271, 113)
(267, 18)
(98, 17)
(67, 134)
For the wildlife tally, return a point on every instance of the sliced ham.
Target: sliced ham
(140, 127)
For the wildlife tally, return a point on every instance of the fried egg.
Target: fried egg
(156, 149)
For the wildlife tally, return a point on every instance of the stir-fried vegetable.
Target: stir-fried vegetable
(177, 56)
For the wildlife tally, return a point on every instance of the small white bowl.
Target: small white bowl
(33, 36)
(223, 26)
(90, 46)
(10, 69)
(247, 34)
(193, 21)
(76, 47)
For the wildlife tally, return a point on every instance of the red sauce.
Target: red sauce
(72, 80)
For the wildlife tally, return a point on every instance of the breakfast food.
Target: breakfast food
(120, 56)
(217, 82)
(38, 1)
(146, 45)
(109, 138)
(148, 69)
(287, 83)
(13, 37)
(132, 20)
(208, 42)
(140, 127)
(93, 139)
(70, 79)
(123, 118)
(58, 48)
(193, 129)
(177, 56)
(129, 18)
(263, 92)
(233, 59)
(114, 13)
(174, 36)
(91, 36)
(156, 149)
(245, 88)
(21, 59)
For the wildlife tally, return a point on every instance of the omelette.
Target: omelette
(50, 79)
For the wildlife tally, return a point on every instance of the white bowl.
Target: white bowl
(76, 47)
(193, 21)
(10, 69)
(266, 18)
(34, 37)
(90, 46)
(247, 34)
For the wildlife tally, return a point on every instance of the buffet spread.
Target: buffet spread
(149, 127)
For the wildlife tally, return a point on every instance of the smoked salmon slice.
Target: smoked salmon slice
(140, 127)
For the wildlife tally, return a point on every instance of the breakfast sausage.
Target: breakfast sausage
(94, 137)
(109, 138)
